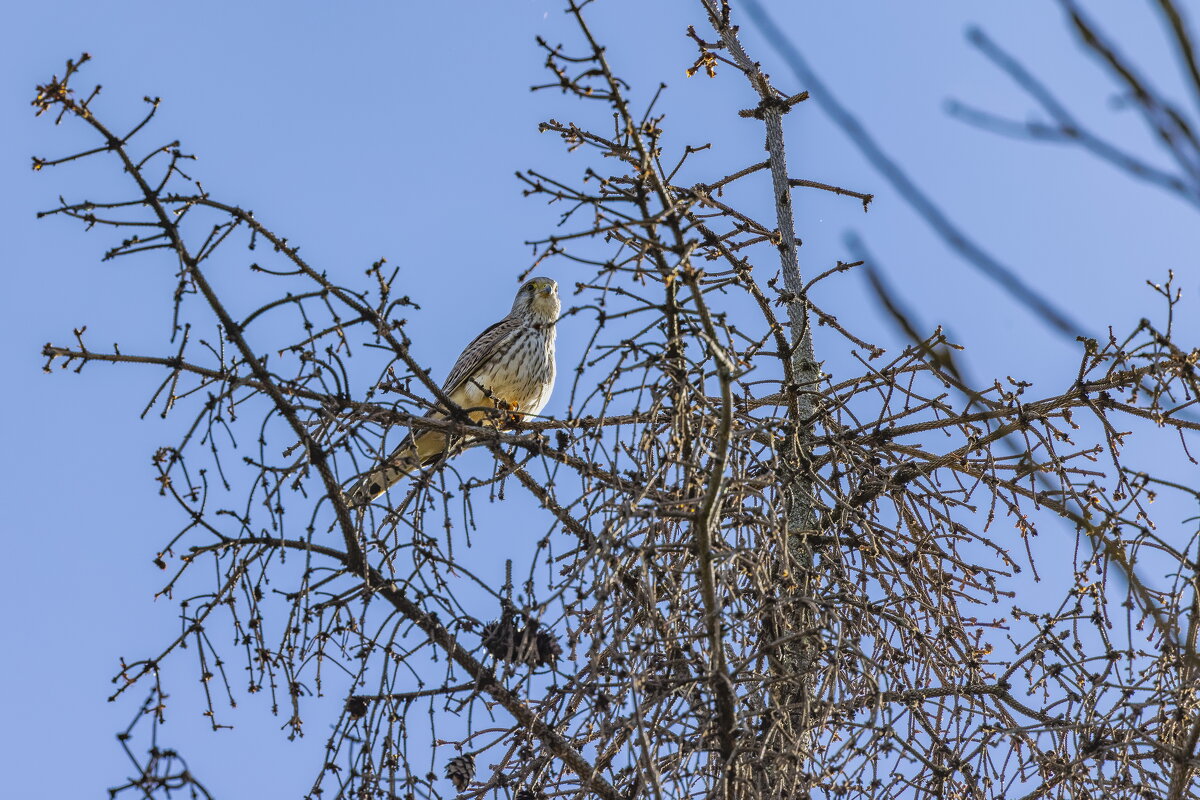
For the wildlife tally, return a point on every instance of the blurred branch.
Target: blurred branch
(1184, 44)
(1165, 121)
(1066, 127)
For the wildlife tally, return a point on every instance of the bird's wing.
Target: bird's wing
(479, 352)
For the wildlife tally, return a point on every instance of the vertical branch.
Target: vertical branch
(795, 658)
(772, 107)
(1189, 734)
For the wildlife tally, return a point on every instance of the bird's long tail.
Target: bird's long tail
(408, 457)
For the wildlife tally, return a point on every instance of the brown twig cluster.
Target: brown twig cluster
(753, 579)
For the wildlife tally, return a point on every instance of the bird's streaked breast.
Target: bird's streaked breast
(520, 373)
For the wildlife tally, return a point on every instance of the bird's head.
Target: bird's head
(538, 298)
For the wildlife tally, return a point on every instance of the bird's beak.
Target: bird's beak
(546, 290)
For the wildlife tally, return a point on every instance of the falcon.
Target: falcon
(510, 366)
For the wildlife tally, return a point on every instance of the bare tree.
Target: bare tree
(756, 579)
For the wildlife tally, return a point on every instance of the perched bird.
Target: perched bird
(510, 366)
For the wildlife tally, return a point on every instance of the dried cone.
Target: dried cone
(461, 770)
(356, 707)
(520, 640)
(501, 638)
(548, 649)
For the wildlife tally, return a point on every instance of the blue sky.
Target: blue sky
(390, 129)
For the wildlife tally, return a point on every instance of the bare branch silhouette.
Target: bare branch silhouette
(748, 577)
